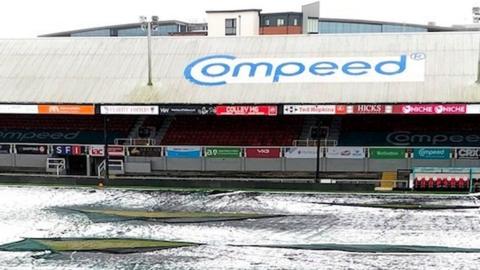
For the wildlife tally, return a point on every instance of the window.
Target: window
(295, 21)
(280, 22)
(267, 22)
(230, 27)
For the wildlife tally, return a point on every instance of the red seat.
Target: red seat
(438, 183)
(445, 183)
(431, 183)
(453, 183)
(423, 184)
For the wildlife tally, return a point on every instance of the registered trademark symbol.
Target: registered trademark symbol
(418, 56)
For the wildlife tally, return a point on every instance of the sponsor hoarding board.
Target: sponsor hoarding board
(69, 150)
(116, 151)
(369, 109)
(263, 110)
(430, 109)
(96, 150)
(431, 153)
(67, 109)
(5, 148)
(223, 152)
(473, 109)
(183, 152)
(387, 153)
(467, 153)
(31, 149)
(217, 70)
(314, 109)
(262, 152)
(345, 152)
(186, 110)
(18, 109)
(129, 110)
(301, 152)
(145, 151)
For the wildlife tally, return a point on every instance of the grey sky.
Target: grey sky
(29, 18)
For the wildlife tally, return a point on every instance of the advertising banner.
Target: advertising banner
(430, 109)
(67, 109)
(31, 149)
(5, 149)
(69, 150)
(129, 110)
(183, 152)
(431, 153)
(369, 109)
(473, 109)
(223, 152)
(187, 110)
(144, 151)
(387, 153)
(116, 151)
(246, 110)
(467, 153)
(301, 152)
(345, 152)
(96, 150)
(217, 70)
(18, 109)
(312, 109)
(262, 152)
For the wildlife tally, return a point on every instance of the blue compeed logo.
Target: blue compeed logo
(217, 70)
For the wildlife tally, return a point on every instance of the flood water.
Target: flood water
(34, 212)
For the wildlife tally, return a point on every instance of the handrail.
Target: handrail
(57, 164)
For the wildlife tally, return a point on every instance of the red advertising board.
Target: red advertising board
(116, 151)
(262, 152)
(369, 109)
(247, 110)
(430, 109)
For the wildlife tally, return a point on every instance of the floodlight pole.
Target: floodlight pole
(105, 140)
(149, 39)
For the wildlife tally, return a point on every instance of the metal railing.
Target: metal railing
(135, 141)
(311, 142)
(115, 166)
(56, 165)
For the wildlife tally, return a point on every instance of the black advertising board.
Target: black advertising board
(186, 110)
(142, 151)
(468, 153)
(4, 149)
(31, 149)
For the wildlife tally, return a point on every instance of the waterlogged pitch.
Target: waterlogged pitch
(304, 231)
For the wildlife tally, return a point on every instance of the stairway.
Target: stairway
(335, 128)
(139, 123)
(163, 129)
(308, 123)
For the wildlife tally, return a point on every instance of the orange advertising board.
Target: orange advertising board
(67, 109)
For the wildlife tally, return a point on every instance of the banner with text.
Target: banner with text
(186, 110)
(262, 152)
(314, 109)
(5, 149)
(345, 152)
(431, 153)
(387, 153)
(69, 150)
(246, 110)
(430, 109)
(129, 110)
(145, 151)
(223, 152)
(467, 153)
(183, 152)
(31, 149)
(301, 152)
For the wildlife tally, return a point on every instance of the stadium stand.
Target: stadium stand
(88, 129)
(373, 130)
(252, 131)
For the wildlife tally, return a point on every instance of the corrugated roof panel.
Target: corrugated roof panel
(114, 70)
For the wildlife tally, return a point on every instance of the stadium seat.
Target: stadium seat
(431, 183)
(438, 183)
